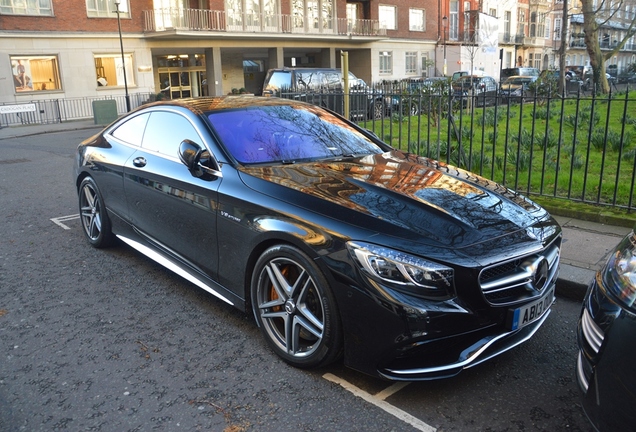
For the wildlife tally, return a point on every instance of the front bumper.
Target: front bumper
(606, 336)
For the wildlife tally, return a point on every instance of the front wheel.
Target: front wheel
(295, 308)
(377, 110)
(93, 214)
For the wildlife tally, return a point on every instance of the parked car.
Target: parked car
(458, 74)
(339, 245)
(325, 87)
(627, 78)
(548, 82)
(517, 71)
(607, 342)
(481, 90)
(517, 89)
(420, 95)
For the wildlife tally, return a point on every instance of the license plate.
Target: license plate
(529, 313)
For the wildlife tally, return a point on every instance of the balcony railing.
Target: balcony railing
(165, 19)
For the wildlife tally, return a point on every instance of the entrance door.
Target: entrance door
(177, 83)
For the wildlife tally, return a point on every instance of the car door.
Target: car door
(172, 209)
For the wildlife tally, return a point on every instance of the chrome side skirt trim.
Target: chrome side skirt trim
(155, 256)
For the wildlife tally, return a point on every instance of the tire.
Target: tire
(295, 308)
(93, 215)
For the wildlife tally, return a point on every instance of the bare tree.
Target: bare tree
(593, 20)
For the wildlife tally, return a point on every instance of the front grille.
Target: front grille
(519, 279)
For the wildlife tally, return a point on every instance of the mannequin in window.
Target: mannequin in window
(21, 74)
(101, 82)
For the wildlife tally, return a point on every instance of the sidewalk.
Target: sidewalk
(7, 132)
(586, 245)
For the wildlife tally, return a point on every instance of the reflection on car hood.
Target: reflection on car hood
(413, 195)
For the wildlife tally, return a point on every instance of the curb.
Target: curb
(573, 281)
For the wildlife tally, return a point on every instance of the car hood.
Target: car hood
(401, 195)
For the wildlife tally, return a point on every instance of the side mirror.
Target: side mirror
(199, 161)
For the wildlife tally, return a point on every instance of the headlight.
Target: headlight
(403, 271)
(619, 274)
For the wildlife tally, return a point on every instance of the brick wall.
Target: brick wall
(71, 16)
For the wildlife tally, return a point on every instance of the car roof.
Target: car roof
(474, 77)
(305, 69)
(200, 105)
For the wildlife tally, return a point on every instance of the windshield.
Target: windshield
(287, 134)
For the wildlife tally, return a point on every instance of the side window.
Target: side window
(166, 130)
(332, 81)
(308, 81)
(132, 131)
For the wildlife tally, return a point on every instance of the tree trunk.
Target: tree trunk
(597, 60)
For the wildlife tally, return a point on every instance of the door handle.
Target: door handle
(139, 162)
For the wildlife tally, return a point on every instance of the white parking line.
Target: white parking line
(378, 400)
(59, 220)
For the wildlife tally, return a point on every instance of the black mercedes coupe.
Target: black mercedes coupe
(341, 246)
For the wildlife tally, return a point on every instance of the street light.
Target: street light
(123, 60)
(444, 24)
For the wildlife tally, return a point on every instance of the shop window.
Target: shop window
(109, 70)
(35, 73)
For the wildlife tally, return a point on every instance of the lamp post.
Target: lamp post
(444, 24)
(123, 59)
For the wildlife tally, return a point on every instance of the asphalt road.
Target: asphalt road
(107, 340)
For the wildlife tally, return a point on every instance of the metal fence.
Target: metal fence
(576, 146)
(580, 147)
(46, 111)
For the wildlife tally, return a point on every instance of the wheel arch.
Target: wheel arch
(275, 238)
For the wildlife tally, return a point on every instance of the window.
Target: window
(454, 20)
(107, 9)
(533, 24)
(410, 62)
(557, 29)
(165, 131)
(387, 17)
(547, 29)
(35, 73)
(311, 15)
(507, 18)
(521, 25)
(109, 70)
(22, 7)
(386, 62)
(541, 25)
(417, 20)
(467, 23)
(132, 131)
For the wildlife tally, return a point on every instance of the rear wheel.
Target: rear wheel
(295, 308)
(93, 215)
